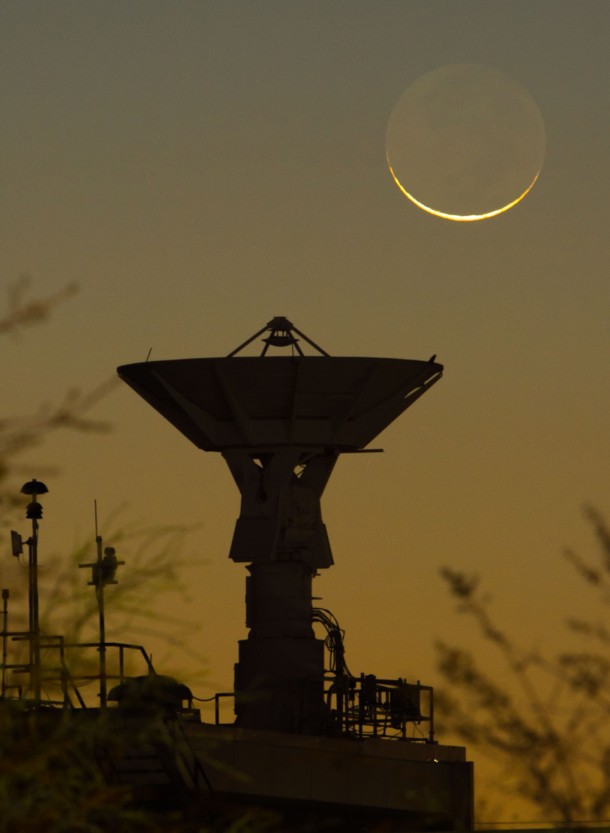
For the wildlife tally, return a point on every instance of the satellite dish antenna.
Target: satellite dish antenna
(281, 422)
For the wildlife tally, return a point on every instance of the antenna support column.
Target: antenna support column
(280, 534)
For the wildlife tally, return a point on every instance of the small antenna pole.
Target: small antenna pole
(103, 571)
(5, 595)
(99, 591)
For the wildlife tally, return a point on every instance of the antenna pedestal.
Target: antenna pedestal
(279, 681)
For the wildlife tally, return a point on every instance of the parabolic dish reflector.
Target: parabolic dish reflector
(273, 401)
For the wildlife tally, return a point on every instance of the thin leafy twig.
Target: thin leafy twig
(541, 732)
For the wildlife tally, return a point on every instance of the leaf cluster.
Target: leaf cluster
(49, 779)
(19, 434)
(545, 720)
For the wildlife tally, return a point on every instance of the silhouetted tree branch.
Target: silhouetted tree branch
(24, 311)
(544, 723)
(19, 434)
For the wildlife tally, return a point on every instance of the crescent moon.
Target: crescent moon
(461, 218)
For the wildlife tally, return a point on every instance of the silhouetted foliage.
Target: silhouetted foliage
(545, 720)
(19, 434)
(49, 778)
(154, 555)
(53, 779)
(23, 311)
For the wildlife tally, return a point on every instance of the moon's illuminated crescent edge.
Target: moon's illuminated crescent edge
(461, 218)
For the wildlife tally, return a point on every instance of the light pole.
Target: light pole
(34, 488)
(5, 597)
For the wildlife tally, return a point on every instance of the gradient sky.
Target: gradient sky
(199, 167)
